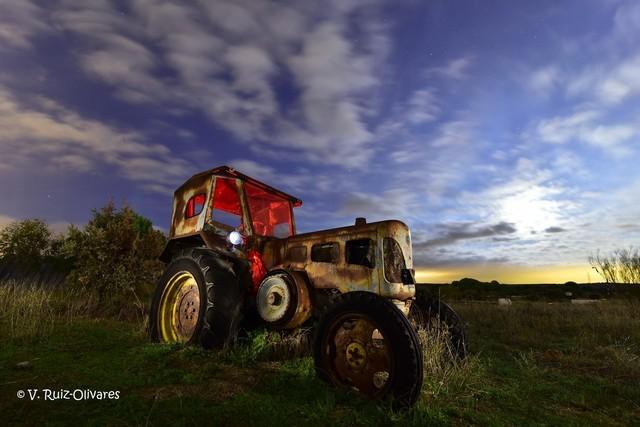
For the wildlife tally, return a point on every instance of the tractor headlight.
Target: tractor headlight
(235, 238)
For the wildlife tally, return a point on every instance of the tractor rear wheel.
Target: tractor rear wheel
(437, 317)
(365, 343)
(197, 301)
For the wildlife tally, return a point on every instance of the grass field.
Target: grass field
(532, 363)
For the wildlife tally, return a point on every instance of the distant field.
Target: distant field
(541, 292)
(532, 363)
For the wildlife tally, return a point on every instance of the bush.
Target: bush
(622, 266)
(116, 259)
(25, 243)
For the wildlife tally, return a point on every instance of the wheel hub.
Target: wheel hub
(179, 308)
(358, 354)
(273, 298)
(187, 310)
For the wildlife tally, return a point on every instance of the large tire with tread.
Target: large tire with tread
(435, 316)
(361, 336)
(207, 287)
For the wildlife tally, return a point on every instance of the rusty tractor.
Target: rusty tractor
(234, 260)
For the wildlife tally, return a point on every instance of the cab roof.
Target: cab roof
(232, 173)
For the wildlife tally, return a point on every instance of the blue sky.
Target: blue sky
(505, 133)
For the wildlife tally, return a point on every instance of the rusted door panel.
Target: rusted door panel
(180, 225)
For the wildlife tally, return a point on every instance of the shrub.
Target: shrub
(622, 266)
(116, 259)
(25, 243)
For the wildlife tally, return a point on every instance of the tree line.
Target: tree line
(112, 261)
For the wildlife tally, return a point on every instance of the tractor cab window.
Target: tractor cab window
(393, 260)
(325, 252)
(297, 254)
(195, 205)
(360, 252)
(225, 208)
(270, 213)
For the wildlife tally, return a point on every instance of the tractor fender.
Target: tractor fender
(175, 245)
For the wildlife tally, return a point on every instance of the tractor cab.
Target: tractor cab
(222, 201)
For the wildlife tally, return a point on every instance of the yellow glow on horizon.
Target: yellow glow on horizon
(423, 275)
(580, 273)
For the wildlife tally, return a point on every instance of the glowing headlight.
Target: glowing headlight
(235, 238)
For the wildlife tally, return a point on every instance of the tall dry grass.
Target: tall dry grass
(604, 335)
(25, 311)
(532, 324)
(444, 373)
(29, 311)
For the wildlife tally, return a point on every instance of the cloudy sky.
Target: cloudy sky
(505, 133)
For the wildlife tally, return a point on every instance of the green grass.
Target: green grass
(532, 363)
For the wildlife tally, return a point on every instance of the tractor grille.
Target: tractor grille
(393, 261)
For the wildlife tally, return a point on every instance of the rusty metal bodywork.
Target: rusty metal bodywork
(341, 275)
(277, 253)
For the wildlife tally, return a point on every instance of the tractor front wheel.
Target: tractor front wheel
(363, 342)
(197, 301)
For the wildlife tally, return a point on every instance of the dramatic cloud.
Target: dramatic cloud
(588, 127)
(455, 69)
(452, 233)
(393, 203)
(456, 259)
(422, 107)
(610, 84)
(223, 58)
(59, 137)
(554, 230)
(20, 21)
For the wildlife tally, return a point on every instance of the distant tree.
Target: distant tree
(467, 282)
(495, 282)
(621, 266)
(25, 242)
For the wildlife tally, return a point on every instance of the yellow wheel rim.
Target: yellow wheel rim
(179, 308)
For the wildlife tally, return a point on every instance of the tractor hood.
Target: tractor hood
(366, 256)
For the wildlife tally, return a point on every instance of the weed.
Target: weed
(264, 345)
(25, 311)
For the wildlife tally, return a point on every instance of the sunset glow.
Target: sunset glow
(511, 274)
